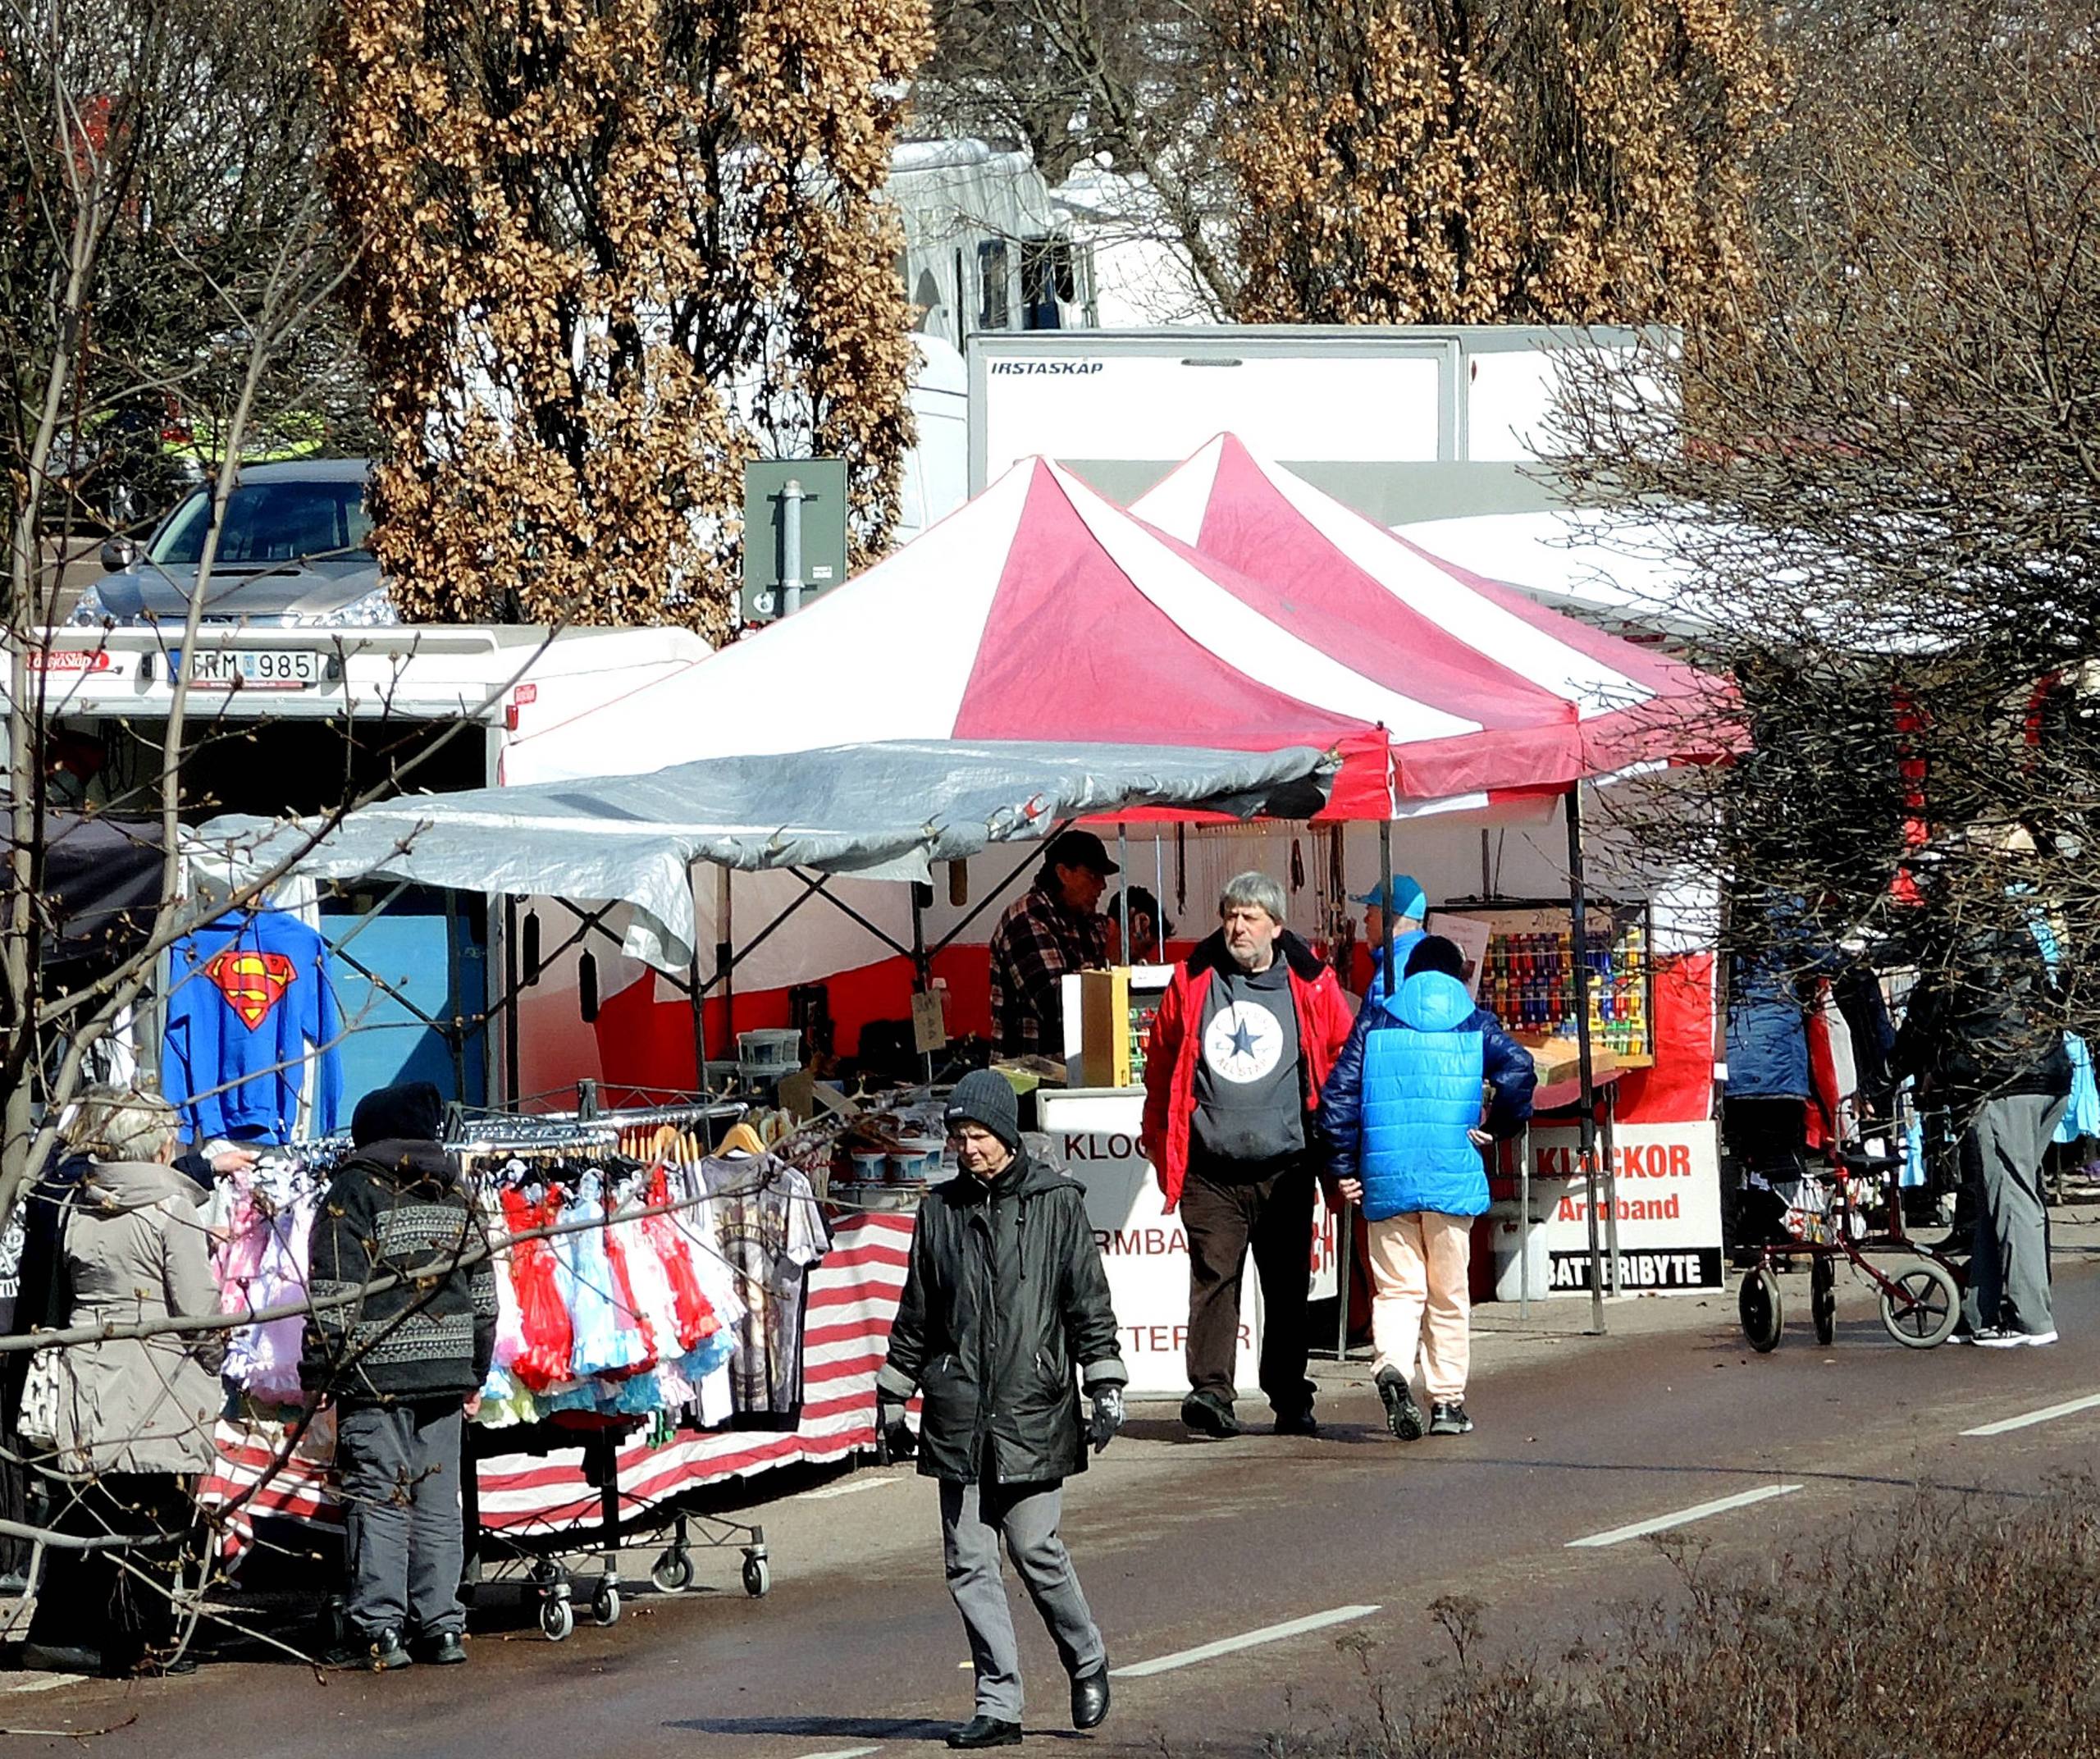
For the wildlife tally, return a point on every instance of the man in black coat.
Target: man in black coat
(1005, 1318)
(1980, 1034)
(403, 1345)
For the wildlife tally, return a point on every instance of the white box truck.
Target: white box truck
(1402, 423)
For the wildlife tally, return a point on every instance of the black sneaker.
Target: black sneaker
(1206, 1413)
(1403, 1415)
(1449, 1418)
(447, 1649)
(1298, 1420)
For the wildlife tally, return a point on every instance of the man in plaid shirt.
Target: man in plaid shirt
(1056, 929)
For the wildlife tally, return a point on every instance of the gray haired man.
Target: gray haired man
(1243, 1041)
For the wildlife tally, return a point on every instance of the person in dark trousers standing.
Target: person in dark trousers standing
(1244, 1038)
(1056, 929)
(402, 1347)
(1978, 1036)
(1004, 1321)
(1402, 1110)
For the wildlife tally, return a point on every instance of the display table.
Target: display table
(852, 1299)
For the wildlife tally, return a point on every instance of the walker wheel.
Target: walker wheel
(606, 1604)
(673, 1571)
(1823, 1299)
(758, 1575)
(1922, 1306)
(1758, 1307)
(557, 1620)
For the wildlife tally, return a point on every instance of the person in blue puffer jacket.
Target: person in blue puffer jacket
(1402, 1112)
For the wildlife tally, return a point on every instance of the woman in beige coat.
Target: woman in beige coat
(135, 1415)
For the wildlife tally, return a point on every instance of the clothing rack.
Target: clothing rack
(687, 1109)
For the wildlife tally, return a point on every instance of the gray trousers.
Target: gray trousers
(400, 1469)
(2002, 1153)
(973, 1520)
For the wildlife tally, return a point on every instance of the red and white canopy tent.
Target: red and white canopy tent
(1250, 612)
(1625, 705)
(1042, 611)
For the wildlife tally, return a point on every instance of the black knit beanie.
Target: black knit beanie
(982, 1097)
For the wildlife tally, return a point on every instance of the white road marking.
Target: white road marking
(2047, 1414)
(850, 1487)
(1683, 1517)
(1268, 1634)
(844, 1752)
(48, 1683)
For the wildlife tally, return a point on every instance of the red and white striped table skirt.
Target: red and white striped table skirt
(852, 1299)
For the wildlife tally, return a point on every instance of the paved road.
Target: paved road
(1184, 1546)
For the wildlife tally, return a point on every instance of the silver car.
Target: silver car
(293, 553)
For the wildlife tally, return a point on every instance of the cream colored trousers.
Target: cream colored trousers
(1421, 1263)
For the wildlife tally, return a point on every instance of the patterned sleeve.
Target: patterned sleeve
(1035, 961)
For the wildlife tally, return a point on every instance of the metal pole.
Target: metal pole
(1586, 1120)
(1345, 1216)
(696, 996)
(1123, 896)
(1159, 888)
(1524, 1222)
(511, 1078)
(791, 548)
(1611, 1162)
(725, 959)
(921, 967)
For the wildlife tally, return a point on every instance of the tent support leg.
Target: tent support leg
(1123, 896)
(694, 996)
(1610, 1164)
(725, 962)
(1524, 1223)
(922, 965)
(1345, 1216)
(1586, 1122)
(512, 1082)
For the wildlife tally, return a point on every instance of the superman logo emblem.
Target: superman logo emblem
(253, 983)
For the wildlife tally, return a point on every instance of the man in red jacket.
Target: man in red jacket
(1250, 1027)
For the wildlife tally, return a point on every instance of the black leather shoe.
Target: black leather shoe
(447, 1649)
(1090, 1698)
(986, 1731)
(378, 1652)
(1298, 1422)
(1206, 1413)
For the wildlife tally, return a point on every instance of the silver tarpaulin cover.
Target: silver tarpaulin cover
(879, 811)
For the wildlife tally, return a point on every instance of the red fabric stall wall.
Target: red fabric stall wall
(643, 1042)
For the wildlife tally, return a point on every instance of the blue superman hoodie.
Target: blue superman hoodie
(248, 1002)
(1406, 1090)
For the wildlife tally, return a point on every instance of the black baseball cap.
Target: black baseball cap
(1079, 848)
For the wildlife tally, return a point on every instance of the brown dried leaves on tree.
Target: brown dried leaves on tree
(613, 250)
(1489, 161)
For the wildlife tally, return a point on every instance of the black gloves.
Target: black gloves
(1108, 1417)
(894, 1440)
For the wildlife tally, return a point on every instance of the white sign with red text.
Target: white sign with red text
(1094, 1133)
(1145, 1252)
(1667, 1197)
